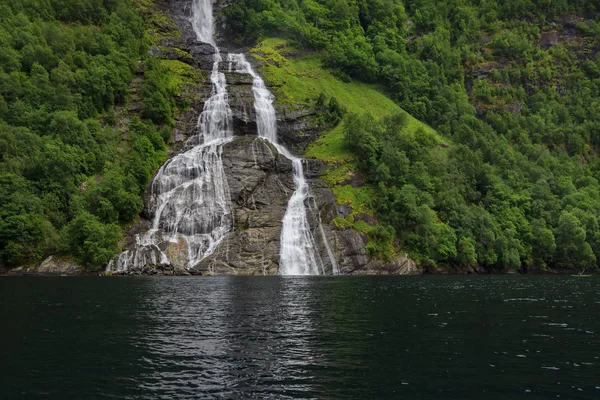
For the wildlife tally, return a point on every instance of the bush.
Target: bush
(91, 241)
(158, 104)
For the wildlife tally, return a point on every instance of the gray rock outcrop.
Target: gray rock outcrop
(50, 266)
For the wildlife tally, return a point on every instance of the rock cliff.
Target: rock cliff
(260, 179)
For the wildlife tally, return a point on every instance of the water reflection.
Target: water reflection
(234, 336)
(320, 337)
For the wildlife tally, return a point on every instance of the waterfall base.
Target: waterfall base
(260, 183)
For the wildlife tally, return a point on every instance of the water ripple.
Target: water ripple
(278, 338)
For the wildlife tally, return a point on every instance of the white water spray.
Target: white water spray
(298, 253)
(202, 21)
(190, 197)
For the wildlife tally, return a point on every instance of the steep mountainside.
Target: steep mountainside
(463, 135)
(260, 184)
(512, 87)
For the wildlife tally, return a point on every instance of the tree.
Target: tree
(91, 241)
(465, 252)
(544, 244)
(572, 250)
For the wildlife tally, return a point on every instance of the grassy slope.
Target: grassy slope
(296, 81)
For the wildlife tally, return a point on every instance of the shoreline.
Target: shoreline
(11, 273)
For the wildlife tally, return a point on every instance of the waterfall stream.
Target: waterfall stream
(298, 253)
(202, 21)
(190, 196)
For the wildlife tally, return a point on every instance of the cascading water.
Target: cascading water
(190, 196)
(202, 21)
(298, 255)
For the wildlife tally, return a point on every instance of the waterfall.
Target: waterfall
(189, 195)
(298, 254)
(298, 250)
(202, 21)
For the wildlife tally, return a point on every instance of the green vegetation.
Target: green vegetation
(304, 82)
(464, 132)
(511, 86)
(73, 160)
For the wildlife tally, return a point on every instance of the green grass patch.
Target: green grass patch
(358, 198)
(343, 223)
(340, 175)
(180, 74)
(350, 222)
(330, 148)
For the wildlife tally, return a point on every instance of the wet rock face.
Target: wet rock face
(296, 129)
(260, 183)
(241, 102)
(223, 35)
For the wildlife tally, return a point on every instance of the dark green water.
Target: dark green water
(493, 337)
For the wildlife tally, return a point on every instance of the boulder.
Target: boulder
(56, 266)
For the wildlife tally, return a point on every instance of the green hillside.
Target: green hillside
(83, 124)
(464, 132)
(513, 89)
(297, 80)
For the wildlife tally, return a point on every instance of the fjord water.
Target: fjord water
(493, 337)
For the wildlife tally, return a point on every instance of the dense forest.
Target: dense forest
(513, 86)
(69, 176)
